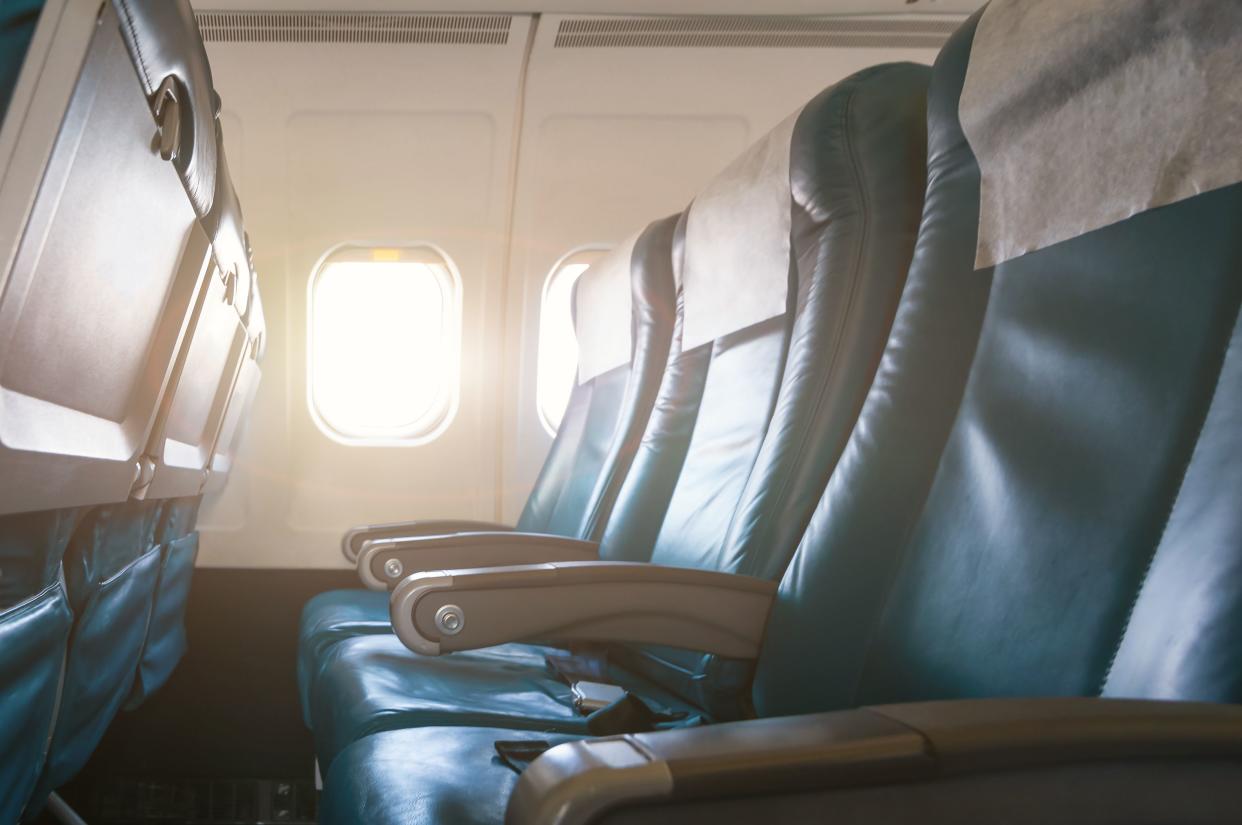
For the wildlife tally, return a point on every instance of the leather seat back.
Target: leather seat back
(748, 426)
(35, 620)
(104, 207)
(1040, 498)
(112, 568)
(124, 308)
(604, 420)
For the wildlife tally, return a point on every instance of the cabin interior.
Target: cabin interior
(463, 412)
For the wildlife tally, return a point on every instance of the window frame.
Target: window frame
(595, 251)
(430, 426)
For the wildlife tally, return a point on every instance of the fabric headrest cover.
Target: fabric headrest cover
(736, 267)
(603, 306)
(1084, 113)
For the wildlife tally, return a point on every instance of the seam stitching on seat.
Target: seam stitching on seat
(1168, 516)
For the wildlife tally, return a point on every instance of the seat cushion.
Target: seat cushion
(327, 619)
(374, 683)
(423, 776)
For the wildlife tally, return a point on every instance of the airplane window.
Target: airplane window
(558, 346)
(384, 339)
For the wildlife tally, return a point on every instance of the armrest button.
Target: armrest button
(393, 568)
(450, 620)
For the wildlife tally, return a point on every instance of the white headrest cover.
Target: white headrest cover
(603, 306)
(1084, 113)
(736, 268)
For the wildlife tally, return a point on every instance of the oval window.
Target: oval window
(384, 342)
(558, 344)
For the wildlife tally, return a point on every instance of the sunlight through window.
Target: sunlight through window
(384, 334)
(558, 345)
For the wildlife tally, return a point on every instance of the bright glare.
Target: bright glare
(381, 359)
(558, 345)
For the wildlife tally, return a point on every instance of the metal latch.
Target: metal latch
(167, 110)
(144, 471)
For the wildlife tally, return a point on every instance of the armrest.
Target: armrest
(383, 563)
(895, 746)
(351, 542)
(435, 613)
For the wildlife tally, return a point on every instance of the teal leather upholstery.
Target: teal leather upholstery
(1040, 497)
(165, 643)
(741, 439)
(589, 458)
(503, 686)
(111, 568)
(1041, 504)
(741, 496)
(34, 633)
(421, 776)
(606, 416)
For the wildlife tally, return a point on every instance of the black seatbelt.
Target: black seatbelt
(580, 664)
(630, 714)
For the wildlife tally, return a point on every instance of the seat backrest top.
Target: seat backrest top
(624, 319)
(1040, 497)
(166, 47)
(749, 423)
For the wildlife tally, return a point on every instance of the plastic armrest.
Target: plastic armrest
(451, 610)
(890, 745)
(352, 541)
(383, 563)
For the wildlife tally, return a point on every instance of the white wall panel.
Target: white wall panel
(386, 144)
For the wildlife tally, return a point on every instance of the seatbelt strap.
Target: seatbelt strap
(630, 714)
(586, 664)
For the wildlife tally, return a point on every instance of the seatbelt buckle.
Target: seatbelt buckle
(592, 696)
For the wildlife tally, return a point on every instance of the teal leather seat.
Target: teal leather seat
(34, 632)
(574, 493)
(165, 641)
(1040, 497)
(111, 569)
(743, 436)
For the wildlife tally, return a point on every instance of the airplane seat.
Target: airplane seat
(165, 642)
(212, 382)
(780, 322)
(1034, 526)
(35, 620)
(111, 374)
(625, 303)
(111, 568)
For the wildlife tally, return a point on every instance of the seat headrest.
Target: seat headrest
(735, 270)
(603, 310)
(1083, 114)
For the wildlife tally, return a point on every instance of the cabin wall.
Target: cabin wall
(506, 157)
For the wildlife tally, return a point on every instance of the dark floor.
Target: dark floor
(223, 742)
